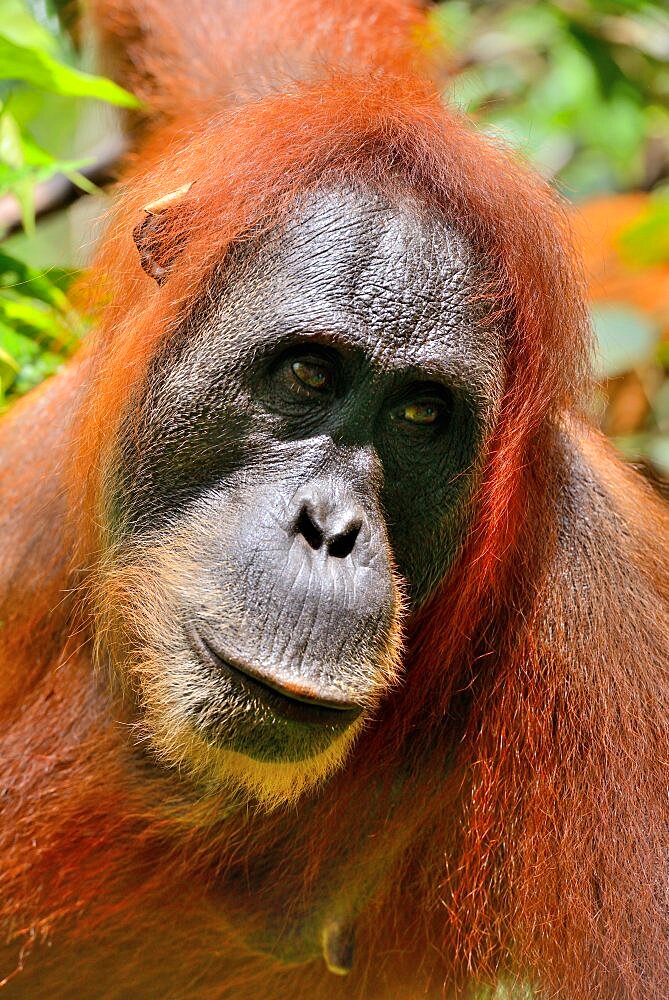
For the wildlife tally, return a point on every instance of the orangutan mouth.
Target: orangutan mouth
(291, 703)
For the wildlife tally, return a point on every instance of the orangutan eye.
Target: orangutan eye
(426, 407)
(311, 375)
(423, 413)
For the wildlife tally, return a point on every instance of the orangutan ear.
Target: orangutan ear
(156, 250)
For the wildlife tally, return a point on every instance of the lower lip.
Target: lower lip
(281, 704)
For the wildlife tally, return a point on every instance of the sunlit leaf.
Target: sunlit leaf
(11, 146)
(27, 313)
(19, 25)
(10, 178)
(16, 276)
(34, 66)
(9, 369)
(17, 346)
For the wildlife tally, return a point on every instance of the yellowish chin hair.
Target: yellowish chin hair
(141, 596)
(271, 784)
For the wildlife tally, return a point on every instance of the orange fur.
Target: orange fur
(527, 848)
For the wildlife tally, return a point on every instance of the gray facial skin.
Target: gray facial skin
(315, 428)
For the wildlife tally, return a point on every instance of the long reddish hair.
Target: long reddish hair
(514, 786)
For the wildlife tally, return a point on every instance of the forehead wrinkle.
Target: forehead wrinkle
(411, 277)
(391, 282)
(386, 278)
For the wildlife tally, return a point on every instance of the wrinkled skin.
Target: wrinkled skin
(308, 442)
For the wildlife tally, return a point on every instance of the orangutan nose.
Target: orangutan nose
(328, 522)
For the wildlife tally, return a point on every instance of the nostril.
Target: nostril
(325, 523)
(342, 544)
(310, 532)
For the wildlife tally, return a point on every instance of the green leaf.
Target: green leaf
(11, 146)
(10, 178)
(39, 328)
(31, 65)
(24, 192)
(20, 279)
(9, 369)
(19, 25)
(16, 275)
(16, 345)
(23, 312)
(625, 338)
(82, 181)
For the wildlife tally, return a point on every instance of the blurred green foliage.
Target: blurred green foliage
(580, 87)
(35, 62)
(38, 325)
(40, 85)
